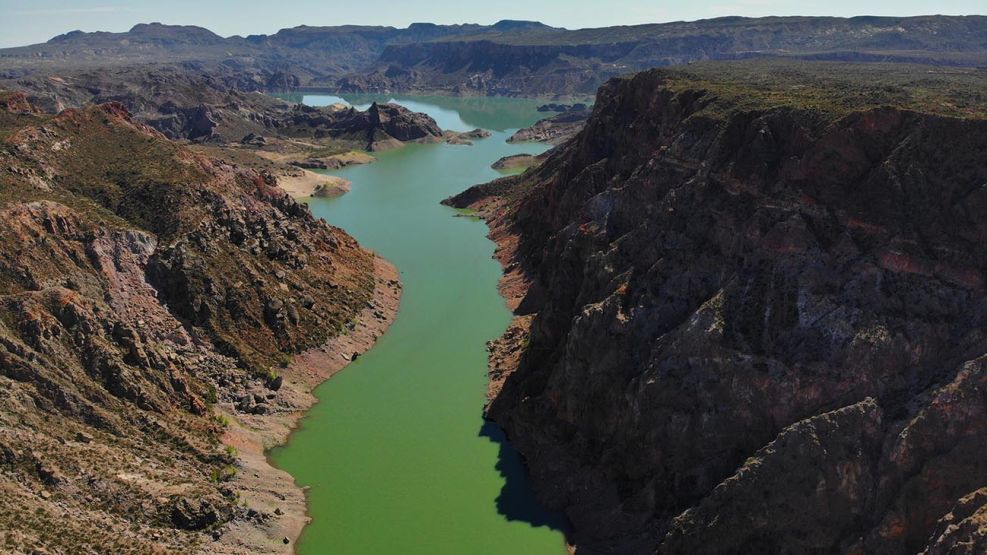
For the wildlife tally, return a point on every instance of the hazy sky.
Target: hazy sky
(28, 22)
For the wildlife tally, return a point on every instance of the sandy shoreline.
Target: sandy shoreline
(269, 490)
(305, 183)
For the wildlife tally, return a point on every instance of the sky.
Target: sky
(28, 22)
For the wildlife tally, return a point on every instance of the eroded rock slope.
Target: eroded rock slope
(140, 285)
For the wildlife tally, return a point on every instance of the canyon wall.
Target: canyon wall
(756, 323)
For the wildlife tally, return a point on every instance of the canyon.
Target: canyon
(397, 456)
(745, 293)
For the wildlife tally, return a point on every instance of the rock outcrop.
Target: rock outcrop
(379, 127)
(516, 162)
(465, 137)
(553, 130)
(754, 320)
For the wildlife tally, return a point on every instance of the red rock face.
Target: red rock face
(755, 332)
(16, 102)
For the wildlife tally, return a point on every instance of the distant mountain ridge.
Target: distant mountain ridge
(321, 51)
(509, 57)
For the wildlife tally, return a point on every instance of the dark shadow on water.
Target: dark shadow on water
(516, 500)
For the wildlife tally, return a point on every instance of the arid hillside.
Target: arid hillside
(148, 295)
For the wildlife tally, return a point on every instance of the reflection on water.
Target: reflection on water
(317, 99)
(453, 113)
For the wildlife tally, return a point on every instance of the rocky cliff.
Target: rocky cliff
(751, 318)
(146, 291)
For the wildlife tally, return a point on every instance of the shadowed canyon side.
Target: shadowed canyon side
(152, 301)
(749, 317)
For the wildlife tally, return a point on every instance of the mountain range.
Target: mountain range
(508, 57)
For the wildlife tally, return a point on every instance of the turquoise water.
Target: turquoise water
(396, 452)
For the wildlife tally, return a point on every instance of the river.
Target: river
(396, 454)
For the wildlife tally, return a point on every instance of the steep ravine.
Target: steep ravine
(749, 328)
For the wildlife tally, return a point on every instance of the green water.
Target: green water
(396, 452)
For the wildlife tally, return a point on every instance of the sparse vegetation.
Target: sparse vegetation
(223, 474)
(836, 88)
(211, 397)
